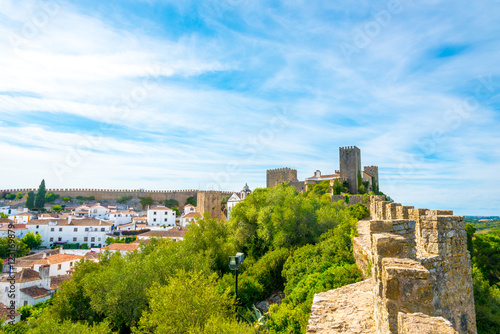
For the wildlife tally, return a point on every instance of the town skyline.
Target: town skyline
(166, 95)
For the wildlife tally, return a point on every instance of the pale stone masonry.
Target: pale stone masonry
(419, 275)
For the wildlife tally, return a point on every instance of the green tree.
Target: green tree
(51, 197)
(66, 199)
(224, 199)
(32, 240)
(146, 200)
(124, 199)
(20, 248)
(19, 195)
(3, 215)
(10, 196)
(177, 212)
(189, 301)
(56, 208)
(170, 203)
(191, 201)
(30, 200)
(40, 196)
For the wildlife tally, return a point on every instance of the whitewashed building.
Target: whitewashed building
(19, 230)
(120, 217)
(59, 264)
(161, 216)
(27, 287)
(72, 230)
(235, 198)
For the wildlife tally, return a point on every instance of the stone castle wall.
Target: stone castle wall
(350, 166)
(110, 194)
(419, 265)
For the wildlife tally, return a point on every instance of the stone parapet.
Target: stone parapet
(420, 269)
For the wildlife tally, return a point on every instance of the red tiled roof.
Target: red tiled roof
(16, 227)
(58, 258)
(25, 275)
(161, 208)
(122, 247)
(56, 281)
(5, 311)
(176, 232)
(35, 292)
(192, 215)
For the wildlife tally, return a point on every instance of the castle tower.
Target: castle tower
(350, 166)
(209, 201)
(280, 175)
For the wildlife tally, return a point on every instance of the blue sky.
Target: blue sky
(209, 94)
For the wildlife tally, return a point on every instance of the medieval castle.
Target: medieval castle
(349, 174)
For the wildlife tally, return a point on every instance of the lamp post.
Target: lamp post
(234, 264)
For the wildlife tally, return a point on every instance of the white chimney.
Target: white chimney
(318, 173)
(45, 276)
(69, 220)
(60, 249)
(44, 256)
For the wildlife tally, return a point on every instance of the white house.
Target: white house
(186, 219)
(189, 209)
(235, 198)
(161, 216)
(23, 218)
(59, 264)
(19, 230)
(27, 287)
(119, 217)
(71, 230)
(94, 211)
(130, 227)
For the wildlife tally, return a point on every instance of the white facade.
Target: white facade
(90, 231)
(19, 230)
(189, 209)
(235, 198)
(59, 264)
(120, 217)
(23, 218)
(161, 216)
(14, 292)
(98, 212)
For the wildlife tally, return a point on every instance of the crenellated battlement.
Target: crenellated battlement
(418, 265)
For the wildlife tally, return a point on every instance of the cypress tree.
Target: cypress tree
(30, 200)
(40, 196)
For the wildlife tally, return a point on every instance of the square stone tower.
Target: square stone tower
(209, 201)
(350, 166)
(275, 176)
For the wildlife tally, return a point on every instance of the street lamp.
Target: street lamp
(234, 264)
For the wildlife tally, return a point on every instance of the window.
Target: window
(59, 266)
(154, 219)
(102, 229)
(98, 239)
(25, 303)
(86, 229)
(51, 239)
(37, 226)
(153, 213)
(74, 239)
(51, 229)
(60, 229)
(92, 239)
(59, 239)
(165, 219)
(85, 239)
(71, 264)
(75, 229)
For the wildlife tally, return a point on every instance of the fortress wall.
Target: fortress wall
(111, 194)
(421, 266)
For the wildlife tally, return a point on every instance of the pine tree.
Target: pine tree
(40, 196)
(30, 200)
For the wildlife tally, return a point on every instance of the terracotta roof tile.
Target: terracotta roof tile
(36, 292)
(58, 258)
(122, 247)
(56, 281)
(176, 232)
(5, 311)
(25, 275)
